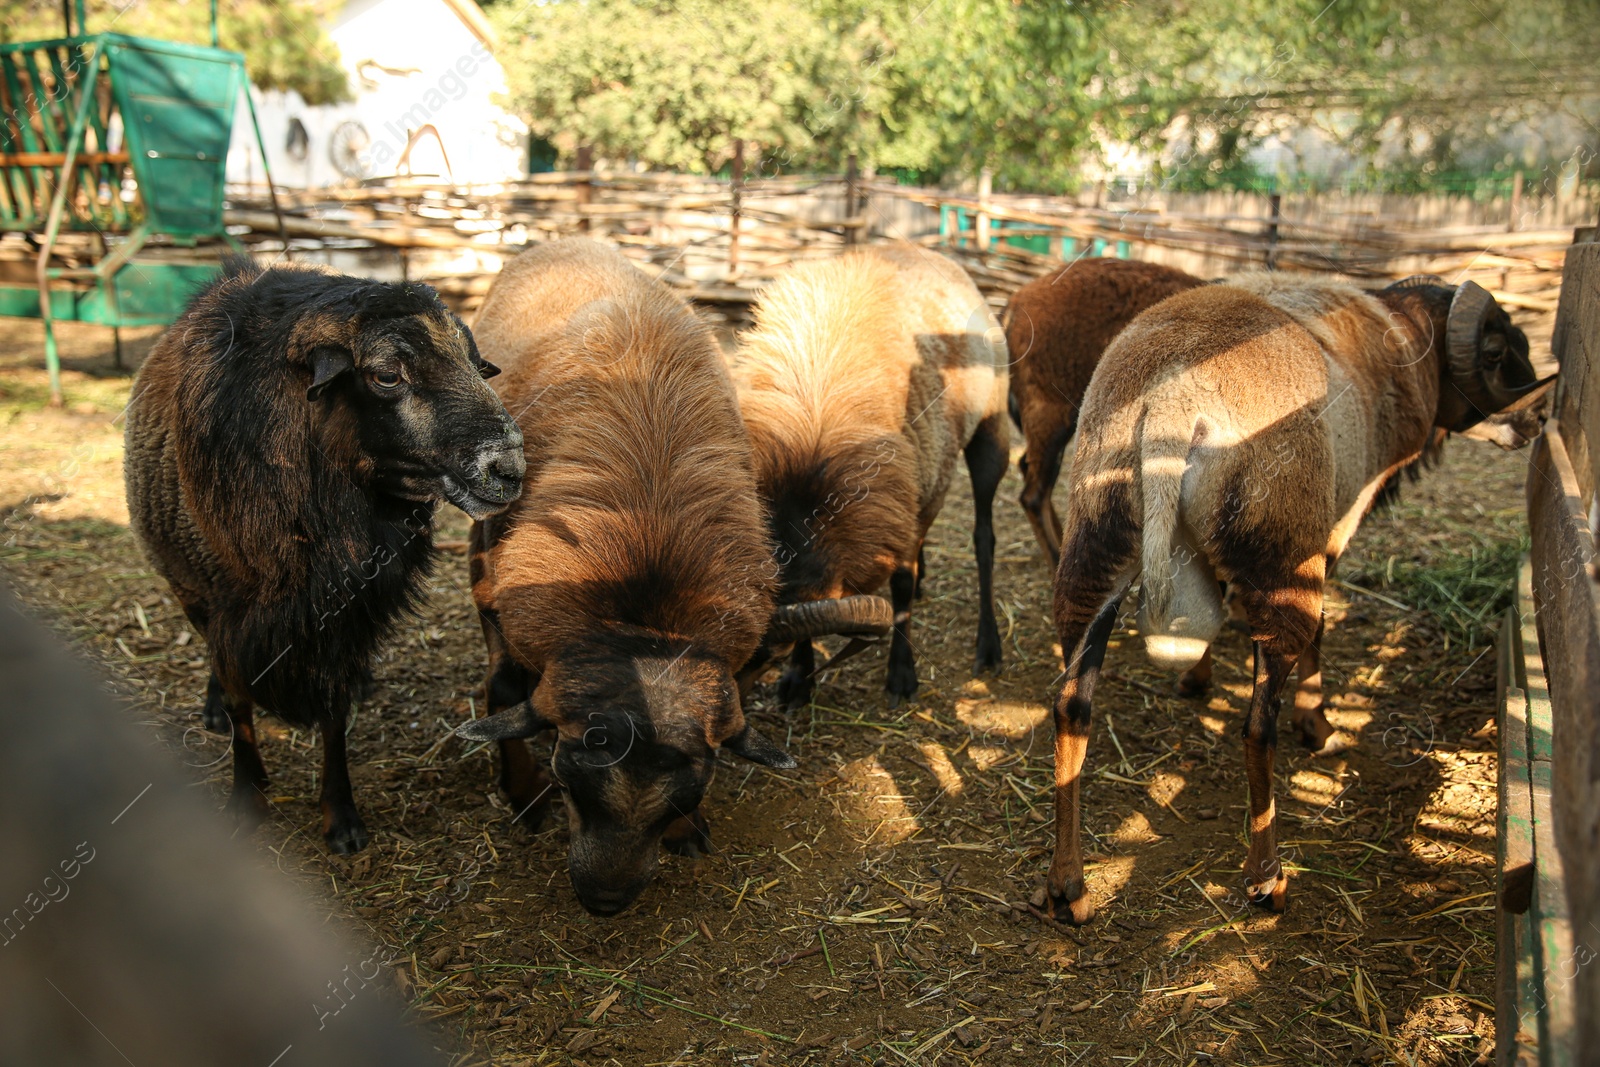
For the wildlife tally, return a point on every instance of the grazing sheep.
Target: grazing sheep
(1056, 330)
(287, 441)
(122, 897)
(864, 378)
(631, 581)
(1240, 432)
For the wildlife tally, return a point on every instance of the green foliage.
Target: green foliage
(284, 44)
(942, 88)
(676, 82)
(1441, 83)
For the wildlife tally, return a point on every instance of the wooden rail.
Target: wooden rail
(1549, 923)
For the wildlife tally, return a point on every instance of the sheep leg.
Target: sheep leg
(1041, 467)
(248, 800)
(1067, 891)
(1196, 681)
(1287, 613)
(688, 835)
(986, 463)
(523, 780)
(798, 679)
(1265, 881)
(922, 567)
(214, 716)
(342, 827)
(1315, 730)
(902, 681)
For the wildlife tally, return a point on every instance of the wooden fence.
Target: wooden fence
(720, 241)
(1548, 943)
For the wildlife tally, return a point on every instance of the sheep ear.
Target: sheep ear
(519, 721)
(487, 369)
(749, 744)
(327, 363)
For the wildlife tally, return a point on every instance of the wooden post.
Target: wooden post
(585, 189)
(1516, 202)
(736, 195)
(1276, 213)
(985, 187)
(852, 199)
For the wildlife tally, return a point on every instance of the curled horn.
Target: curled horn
(1417, 281)
(1463, 326)
(520, 720)
(850, 616)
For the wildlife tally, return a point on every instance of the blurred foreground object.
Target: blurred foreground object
(132, 930)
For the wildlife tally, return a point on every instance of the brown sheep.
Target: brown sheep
(633, 579)
(1056, 330)
(287, 440)
(863, 380)
(1240, 432)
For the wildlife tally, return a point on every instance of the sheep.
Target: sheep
(862, 380)
(1240, 432)
(622, 593)
(122, 897)
(286, 443)
(1057, 327)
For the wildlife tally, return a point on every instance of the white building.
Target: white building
(412, 64)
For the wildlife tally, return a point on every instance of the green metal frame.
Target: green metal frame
(176, 103)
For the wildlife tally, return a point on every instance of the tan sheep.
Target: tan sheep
(863, 380)
(1240, 432)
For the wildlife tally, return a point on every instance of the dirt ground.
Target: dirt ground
(871, 907)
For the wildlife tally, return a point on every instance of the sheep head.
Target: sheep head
(1486, 365)
(395, 380)
(638, 721)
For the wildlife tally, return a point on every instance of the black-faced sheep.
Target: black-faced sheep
(863, 379)
(1057, 328)
(1240, 432)
(287, 441)
(123, 896)
(633, 578)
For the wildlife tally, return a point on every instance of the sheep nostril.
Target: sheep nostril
(509, 465)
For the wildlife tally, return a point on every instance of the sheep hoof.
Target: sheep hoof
(1071, 904)
(347, 835)
(988, 658)
(688, 836)
(1272, 894)
(1318, 735)
(214, 716)
(902, 683)
(794, 689)
(249, 807)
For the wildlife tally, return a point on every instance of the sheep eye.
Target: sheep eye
(387, 379)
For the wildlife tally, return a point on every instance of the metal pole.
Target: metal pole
(52, 359)
(213, 23)
(985, 186)
(266, 164)
(585, 189)
(736, 196)
(1276, 203)
(852, 196)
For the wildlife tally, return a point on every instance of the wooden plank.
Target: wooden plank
(1564, 710)
(1576, 343)
(55, 159)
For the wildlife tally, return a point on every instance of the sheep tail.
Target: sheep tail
(1181, 606)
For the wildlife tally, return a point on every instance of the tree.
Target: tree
(674, 83)
(284, 44)
(1432, 87)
